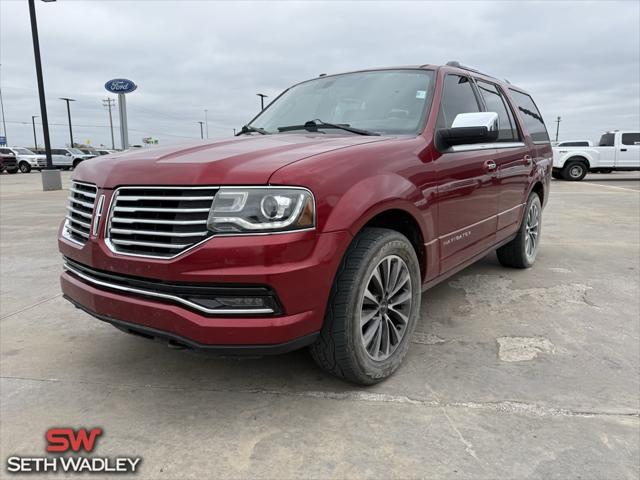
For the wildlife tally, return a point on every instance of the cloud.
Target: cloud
(580, 60)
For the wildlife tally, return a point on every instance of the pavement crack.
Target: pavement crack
(29, 307)
(502, 406)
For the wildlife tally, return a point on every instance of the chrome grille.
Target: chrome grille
(158, 221)
(82, 198)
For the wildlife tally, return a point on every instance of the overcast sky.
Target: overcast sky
(580, 60)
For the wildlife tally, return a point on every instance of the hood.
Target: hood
(246, 160)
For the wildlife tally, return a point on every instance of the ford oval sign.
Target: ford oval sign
(120, 85)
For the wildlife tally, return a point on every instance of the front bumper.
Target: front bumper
(298, 267)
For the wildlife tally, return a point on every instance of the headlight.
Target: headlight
(264, 209)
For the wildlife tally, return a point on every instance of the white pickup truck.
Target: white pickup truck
(618, 150)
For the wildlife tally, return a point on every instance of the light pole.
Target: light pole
(50, 178)
(110, 102)
(262, 97)
(201, 132)
(558, 120)
(4, 125)
(69, 117)
(33, 123)
(206, 122)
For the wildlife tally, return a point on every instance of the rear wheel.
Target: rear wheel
(521, 251)
(574, 171)
(557, 175)
(12, 170)
(24, 167)
(76, 163)
(373, 308)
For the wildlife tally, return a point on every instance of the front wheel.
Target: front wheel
(373, 308)
(574, 171)
(24, 167)
(12, 170)
(521, 251)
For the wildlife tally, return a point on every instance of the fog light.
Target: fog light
(243, 302)
(262, 304)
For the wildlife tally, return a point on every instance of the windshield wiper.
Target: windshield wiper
(313, 125)
(249, 129)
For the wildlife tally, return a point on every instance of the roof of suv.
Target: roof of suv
(453, 67)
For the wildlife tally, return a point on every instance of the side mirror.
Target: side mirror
(468, 129)
(67, 154)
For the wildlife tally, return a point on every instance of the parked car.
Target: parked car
(8, 162)
(105, 151)
(320, 224)
(89, 151)
(617, 150)
(66, 158)
(26, 158)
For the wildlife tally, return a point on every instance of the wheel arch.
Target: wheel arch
(387, 201)
(578, 158)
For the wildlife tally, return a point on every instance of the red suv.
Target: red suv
(319, 224)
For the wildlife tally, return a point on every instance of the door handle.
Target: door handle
(490, 165)
(527, 159)
(623, 149)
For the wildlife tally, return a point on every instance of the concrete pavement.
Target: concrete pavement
(512, 374)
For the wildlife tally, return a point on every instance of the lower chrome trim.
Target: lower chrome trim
(165, 296)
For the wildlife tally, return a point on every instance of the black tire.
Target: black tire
(12, 170)
(340, 348)
(574, 170)
(24, 167)
(606, 170)
(76, 163)
(557, 175)
(515, 254)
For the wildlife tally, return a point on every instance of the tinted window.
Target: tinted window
(573, 144)
(531, 116)
(457, 97)
(495, 102)
(6, 150)
(631, 138)
(607, 140)
(57, 152)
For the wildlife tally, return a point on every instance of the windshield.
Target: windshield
(385, 102)
(24, 151)
(76, 151)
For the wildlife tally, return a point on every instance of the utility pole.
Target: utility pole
(201, 131)
(33, 122)
(69, 116)
(4, 125)
(110, 102)
(206, 122)
(262, 97)
(558, 120)
(50, 178)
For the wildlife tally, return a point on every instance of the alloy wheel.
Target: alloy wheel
(532, 229)
(385, 307)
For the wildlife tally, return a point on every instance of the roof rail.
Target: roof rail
(456, 64)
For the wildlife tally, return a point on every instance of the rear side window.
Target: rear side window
(495, 102)
(573, 144)
(631, 138)
(531, 116)
(457, 97)
(607, 140)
